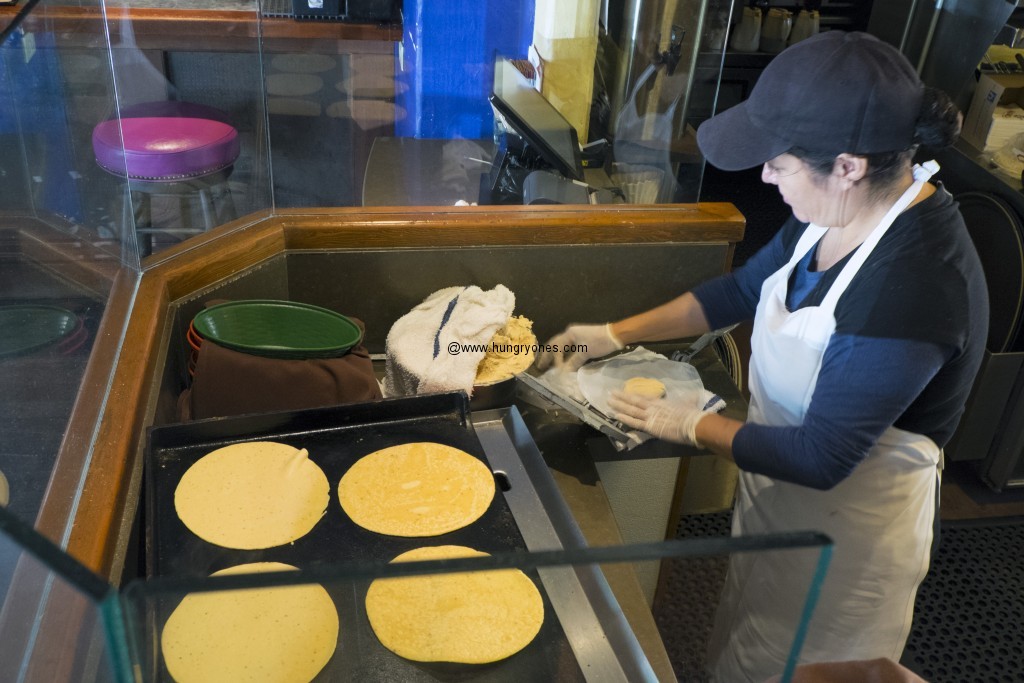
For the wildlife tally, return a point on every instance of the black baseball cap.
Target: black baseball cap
(834, 92)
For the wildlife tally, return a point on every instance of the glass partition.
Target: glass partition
(61, 256)
(141, 123)
(425, 610)
(81, 83)
(54, 85)
(289, 110)
(59, 622)
(190, 116)
(630, 81)
(430, 619)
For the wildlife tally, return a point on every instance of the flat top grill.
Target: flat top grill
(517, 521)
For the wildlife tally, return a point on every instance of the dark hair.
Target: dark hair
(938, 126)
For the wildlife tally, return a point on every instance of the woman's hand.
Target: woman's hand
(578, 344)
(673, 419)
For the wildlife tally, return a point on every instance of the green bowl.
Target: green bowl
(278, 329)
(27, 327)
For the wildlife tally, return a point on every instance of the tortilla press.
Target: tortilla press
(590, 415)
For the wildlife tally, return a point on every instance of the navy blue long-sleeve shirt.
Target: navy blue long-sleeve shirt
(910, 334)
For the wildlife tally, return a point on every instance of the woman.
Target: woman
(870, 318)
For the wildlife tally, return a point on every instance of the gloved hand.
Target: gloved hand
(591, 341)
(669, 419)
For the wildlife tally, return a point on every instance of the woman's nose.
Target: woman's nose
(767, 176)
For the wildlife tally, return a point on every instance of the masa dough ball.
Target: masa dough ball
(252, 495)
(511, 351)
(647, 387)
(466, 617)
(416, 489)
(283, 634)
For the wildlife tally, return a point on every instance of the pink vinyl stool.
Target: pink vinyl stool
(177, 149)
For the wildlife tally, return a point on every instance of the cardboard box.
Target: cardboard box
(980, 126)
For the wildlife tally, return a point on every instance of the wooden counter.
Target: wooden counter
(99, 532)
(200, 29)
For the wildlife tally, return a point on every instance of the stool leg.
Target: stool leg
(185, 208)
(229, 202)
(127, 215)
(145, 221)
(128, 237)
(209, 215)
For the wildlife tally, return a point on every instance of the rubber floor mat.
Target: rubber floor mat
(969, 614)
(685, 608)
(968, 617)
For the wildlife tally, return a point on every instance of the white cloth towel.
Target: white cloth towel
(438, 345)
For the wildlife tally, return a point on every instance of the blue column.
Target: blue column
(447, 63)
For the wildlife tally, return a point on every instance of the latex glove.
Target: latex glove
(590, 341)
(673, 419)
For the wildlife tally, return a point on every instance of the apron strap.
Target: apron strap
(921, 175)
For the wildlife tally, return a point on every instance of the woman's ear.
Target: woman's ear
(849, 168)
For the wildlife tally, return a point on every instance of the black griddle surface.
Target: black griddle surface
(336, 438)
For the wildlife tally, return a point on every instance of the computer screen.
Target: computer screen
(535, 120)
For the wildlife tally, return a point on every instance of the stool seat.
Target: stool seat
(165, 147)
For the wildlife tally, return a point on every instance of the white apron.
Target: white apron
(880, 517)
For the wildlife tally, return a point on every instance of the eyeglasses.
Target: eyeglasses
(772, 172)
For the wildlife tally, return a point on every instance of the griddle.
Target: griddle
(336, 438)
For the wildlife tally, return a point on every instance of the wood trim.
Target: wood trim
(373, 227)
(100, 511)
(228, 250)
(202, 30)
(232, 248)
(137, 314)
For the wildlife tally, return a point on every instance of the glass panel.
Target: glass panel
(55, 85)
(581, 634)
(332, 82)
(526, 523)
(60, 256)
(352, 619)
(228, 111)
(59, 621)
(189, 94)
(443, 108)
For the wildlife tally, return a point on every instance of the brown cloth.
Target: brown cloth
(228, 382)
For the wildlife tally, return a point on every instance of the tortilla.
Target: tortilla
(465, 618)
(416, 489)
(647, 387)
(282, 634)
(252, 495)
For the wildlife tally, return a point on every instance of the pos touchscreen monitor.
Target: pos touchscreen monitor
(544, 131)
